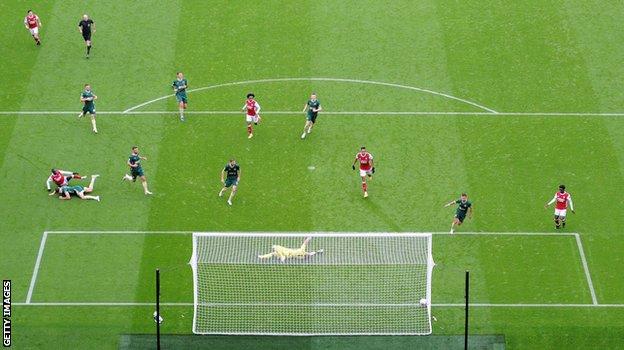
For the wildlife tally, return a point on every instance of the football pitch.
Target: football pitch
(503, 101)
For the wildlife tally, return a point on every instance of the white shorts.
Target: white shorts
(366, 172)
(252, 118)
(34, 31)
(560, 212)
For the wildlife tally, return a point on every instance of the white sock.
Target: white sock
(127, 177)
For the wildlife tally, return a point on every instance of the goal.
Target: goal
(338, 284)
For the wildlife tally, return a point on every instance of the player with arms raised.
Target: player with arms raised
(179, 88)
(33, 23)
(313, 106)
(88, 98)
(134, 162)
(464, 207)
(230, 176)
(284, 253)
(367, 167)
(252, 112)
(562, 199)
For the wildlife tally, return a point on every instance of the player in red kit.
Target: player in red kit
(60, 179)
(367, 167)
(33, 23)
(252, 110)
(562, 199)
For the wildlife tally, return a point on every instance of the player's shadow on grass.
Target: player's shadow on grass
(380, 213)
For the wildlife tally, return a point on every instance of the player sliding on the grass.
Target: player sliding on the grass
(313, 106)
(88, 98)
(60, 178)
(232, 170)
(179, 88)
(367, 167)
(562, 198)
(252, 113)
(134, 162)
(464, 206)
(67, 191)
(284, 253)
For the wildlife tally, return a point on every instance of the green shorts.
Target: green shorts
(137, 172)
(460, 216)
(88, 109)
(231, 182)
(311, 117)
(182, 98)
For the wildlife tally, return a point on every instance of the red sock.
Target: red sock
(364, 186)
(249, 129)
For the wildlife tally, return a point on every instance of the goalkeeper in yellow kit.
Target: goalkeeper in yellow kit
(284, 253)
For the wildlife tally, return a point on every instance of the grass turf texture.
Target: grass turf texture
(525, 57)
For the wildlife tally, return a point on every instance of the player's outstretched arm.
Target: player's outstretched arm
(470, 212)
(449, 204)
(267, 256)
(551, 202)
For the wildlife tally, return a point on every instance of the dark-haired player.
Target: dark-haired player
(88, 98)
(86, 28)
(60, 178)
(367, 167)
(179, 88)
(230, 176)
(562, 198)
(464, 207)
(252, 110)
(33, 23)
(134, 162)
(313, 106)
(66, 191)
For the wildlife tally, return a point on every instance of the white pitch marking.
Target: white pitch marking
(358, 81)
(33, 280)
(586, 268)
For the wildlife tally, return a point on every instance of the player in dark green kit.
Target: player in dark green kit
(464, 207)
(313, 106)
(179, 87)
(136, 170)
(66, 191)
(88, 98)
(230, 176)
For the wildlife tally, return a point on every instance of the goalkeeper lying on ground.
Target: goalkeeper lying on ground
(284, 253)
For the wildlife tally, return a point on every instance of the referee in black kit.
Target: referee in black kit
(85, 26)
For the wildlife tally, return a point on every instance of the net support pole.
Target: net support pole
(157, 318)
(466, 307)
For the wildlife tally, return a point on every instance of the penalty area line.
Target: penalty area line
(33, 280)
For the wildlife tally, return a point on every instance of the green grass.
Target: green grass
(536, 57)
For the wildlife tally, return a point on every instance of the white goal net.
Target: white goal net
(335, 284)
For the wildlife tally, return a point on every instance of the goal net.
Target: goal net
(337, 284)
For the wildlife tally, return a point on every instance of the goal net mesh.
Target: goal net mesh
(364, 283)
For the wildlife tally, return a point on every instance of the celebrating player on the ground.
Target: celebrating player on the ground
(367, 167)
(67, 191)
(313, 106)
(86, 27)
(179, 88)
(230, 176)
(88, 98)
(33, 23)
(134, 162)
(562, 198)
(284, 253)
(61, 178)
(252, 109)
(464, 207)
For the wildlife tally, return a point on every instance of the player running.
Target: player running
(367, 167)
(252, 109)
(464, 207)
(67, 191)
(562, 198)
(313, 106)
(61, 178)
(86, 27)
(179, 88)
(33, 23)
(232, 170)
(88, 98)
(134, 162)
(284, 253)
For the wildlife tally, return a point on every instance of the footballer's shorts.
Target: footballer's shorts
(34, 31)
(311, 117)
(460, 216)
(88, 109)
(86, 36)
(182, 98)
(251, 118)
(364, 172)
(560, 212)
(137, 172)
(231, 182)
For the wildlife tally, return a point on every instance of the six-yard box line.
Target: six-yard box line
(576, 236)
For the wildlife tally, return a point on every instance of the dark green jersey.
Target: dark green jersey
(89, 96)
(313, 105)
(135, 159)
(231, 170)
(72, 189)
(462, 207)
(180, 86)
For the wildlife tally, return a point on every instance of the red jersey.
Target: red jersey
(252, 107)
(365, 160)
(562, 200)
(32, 21)
(59, 179)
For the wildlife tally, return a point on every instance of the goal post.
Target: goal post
(327, 283)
